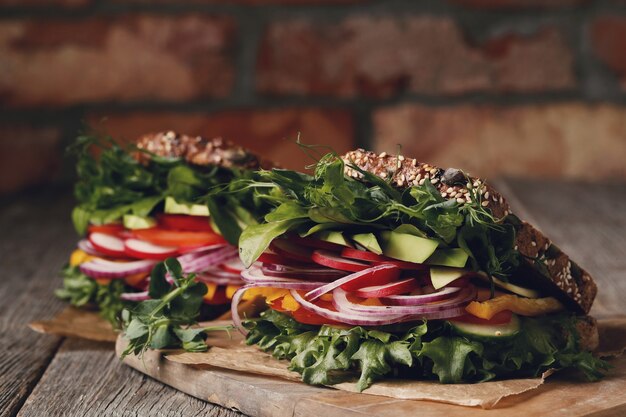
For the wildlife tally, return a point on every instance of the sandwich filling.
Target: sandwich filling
(140, 204)
(367, 279)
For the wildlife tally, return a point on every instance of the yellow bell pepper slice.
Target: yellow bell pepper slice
(79, 257)
(518, 305)
(211, 289)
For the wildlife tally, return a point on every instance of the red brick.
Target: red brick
(271, 133)
(608, 37)
(30, 156)
(427, 55)
(131, 58)
(518, 4)
(560, 140)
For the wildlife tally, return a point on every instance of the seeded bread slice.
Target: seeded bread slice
(545, 265)
(197, 150)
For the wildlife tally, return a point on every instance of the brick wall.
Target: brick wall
(499, 87)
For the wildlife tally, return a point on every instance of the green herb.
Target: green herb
(165, 320)
(81, 291)
(331, 200)
(431, 350)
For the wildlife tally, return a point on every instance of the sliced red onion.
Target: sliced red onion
(341, 303)
(255, 275)
(318, 292)
(319, 274)
(214, 258)
(414, 300)
(88, 248)
(135, 296)
(356, 319)
(196, 249)
(101, 268)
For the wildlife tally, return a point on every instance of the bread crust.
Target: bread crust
(572, 283)
(197, 150)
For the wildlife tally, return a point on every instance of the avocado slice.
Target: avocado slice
(440, 276)
(485, 332)
(173, 207)
(369, 242)
(407, 247)
(132, 221)
(410, 229)
(449, 257)
(332, 237)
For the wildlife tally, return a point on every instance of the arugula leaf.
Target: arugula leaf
(165, 322)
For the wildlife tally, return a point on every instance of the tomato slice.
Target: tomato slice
(393, 288)
(304, 316)
(331, 260)
(112, 229)
(184, 222)
(164, 237)
(502, 317)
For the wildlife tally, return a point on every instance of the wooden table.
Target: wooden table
(44, 375)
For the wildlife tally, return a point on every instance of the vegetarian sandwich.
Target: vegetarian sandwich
(164, 196)
(381, 266)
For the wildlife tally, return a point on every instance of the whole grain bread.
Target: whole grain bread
(544, 264)
(197, 150)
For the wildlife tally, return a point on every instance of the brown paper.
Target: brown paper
(234, 355)
(74, 322)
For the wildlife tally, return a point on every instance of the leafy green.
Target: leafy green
(327, 355)
(165, 320)
(116, 183)
(329, 199)
(81, 291)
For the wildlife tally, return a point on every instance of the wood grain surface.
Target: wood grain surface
(47, 375)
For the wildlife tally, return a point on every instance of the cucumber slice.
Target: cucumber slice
(487, 332)
(138, 222)
(173, 207)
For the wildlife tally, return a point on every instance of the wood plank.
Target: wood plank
(86, 378)
(588, 222)
(34, 243)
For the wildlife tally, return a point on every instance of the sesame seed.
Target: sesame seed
(414, 163)
(533, 243)
(494, 198)
(487, 194)
(383, 174)
(484, 203)
(382, 154)
(515, 247)
(401, 158)
(450, 189)
(421, 182)
(433, 171)
(435, 180)
(444, 194)
(460, 200)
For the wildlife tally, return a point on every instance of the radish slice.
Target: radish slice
(255, 275)
(290, 250)
(272, 258)
(376, 275)
(393, 288)
(101, 268)
(107, 244)
(135, 296)
(88, 248)
(331, 260)
(363, 255)
(146, 250)
(413, 300)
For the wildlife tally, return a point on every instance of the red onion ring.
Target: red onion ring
(318, 292)
(135, 296)
(341, 303)
(414, 300)
(101, 268)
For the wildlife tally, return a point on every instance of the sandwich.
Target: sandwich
(380, 266)
(153, 199)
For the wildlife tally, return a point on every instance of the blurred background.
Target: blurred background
(524, 88)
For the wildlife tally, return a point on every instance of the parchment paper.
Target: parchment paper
(231, 353)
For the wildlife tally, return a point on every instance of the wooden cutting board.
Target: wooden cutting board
(265, 396)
